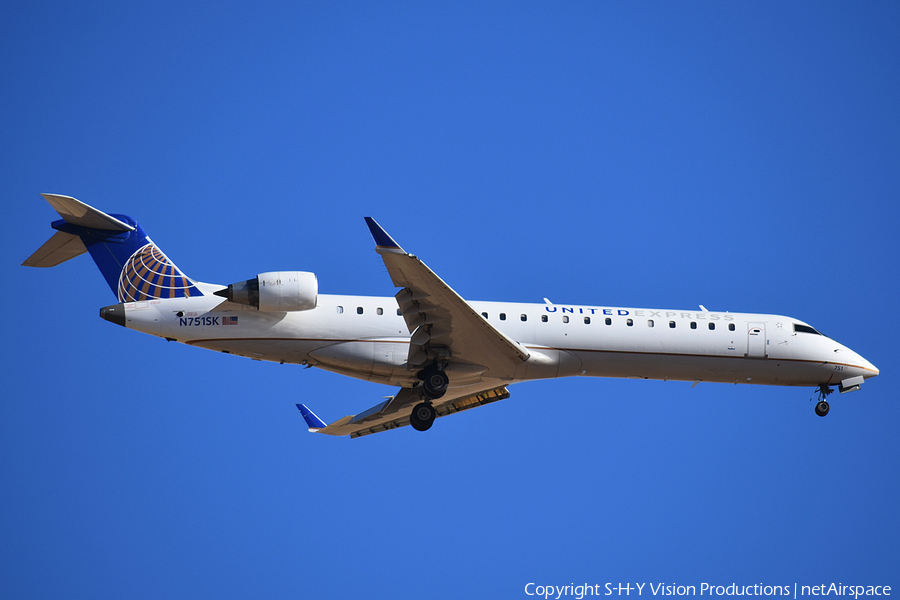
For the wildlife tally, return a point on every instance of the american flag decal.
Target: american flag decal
(229, 320)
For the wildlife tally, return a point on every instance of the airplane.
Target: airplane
(446, 354)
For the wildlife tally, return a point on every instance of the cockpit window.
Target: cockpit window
(798, 328)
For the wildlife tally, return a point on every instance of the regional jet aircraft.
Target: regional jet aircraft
(446, 354)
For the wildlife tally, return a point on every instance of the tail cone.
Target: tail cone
(114, 314)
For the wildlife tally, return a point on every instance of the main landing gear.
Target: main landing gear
(822, 406)
(434, 382)
(422, 416)
(434, 385)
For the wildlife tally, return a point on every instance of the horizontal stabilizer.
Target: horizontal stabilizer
(78, 213)
(58, 249)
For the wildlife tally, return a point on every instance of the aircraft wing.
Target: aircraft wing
(394, 412)
(439, 320)
(442, 326)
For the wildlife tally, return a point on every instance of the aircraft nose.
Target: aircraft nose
(871, 370)
(875, 370)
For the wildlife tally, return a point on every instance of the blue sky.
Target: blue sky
(742, 155)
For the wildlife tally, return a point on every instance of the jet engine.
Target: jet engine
(277, 291)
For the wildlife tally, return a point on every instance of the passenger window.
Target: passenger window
(523, 317)
(340, 309)
(359, 310)
(649, 322)
(712, 326)
(629, 322)
(380, 311)
(399, 313)
(608, 321)
(565, 318)
(484, 315)
(502, 316)
(693, 325)
(671, 324)
(587, 320)
(544, 318)
(731, 327)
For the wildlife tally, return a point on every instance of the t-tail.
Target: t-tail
(133, 266)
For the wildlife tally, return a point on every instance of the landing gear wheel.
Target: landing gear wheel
(822, 408)
(422, 416)
(435, 383)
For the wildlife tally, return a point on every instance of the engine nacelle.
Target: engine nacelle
(276, 291)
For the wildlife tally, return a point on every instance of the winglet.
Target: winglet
(312, 421)
(382, 239)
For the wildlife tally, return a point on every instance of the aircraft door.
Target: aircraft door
(756, 340)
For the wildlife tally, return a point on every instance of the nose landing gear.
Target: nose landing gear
(822, 406)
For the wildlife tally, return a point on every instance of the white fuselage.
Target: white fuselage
(364, 337)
